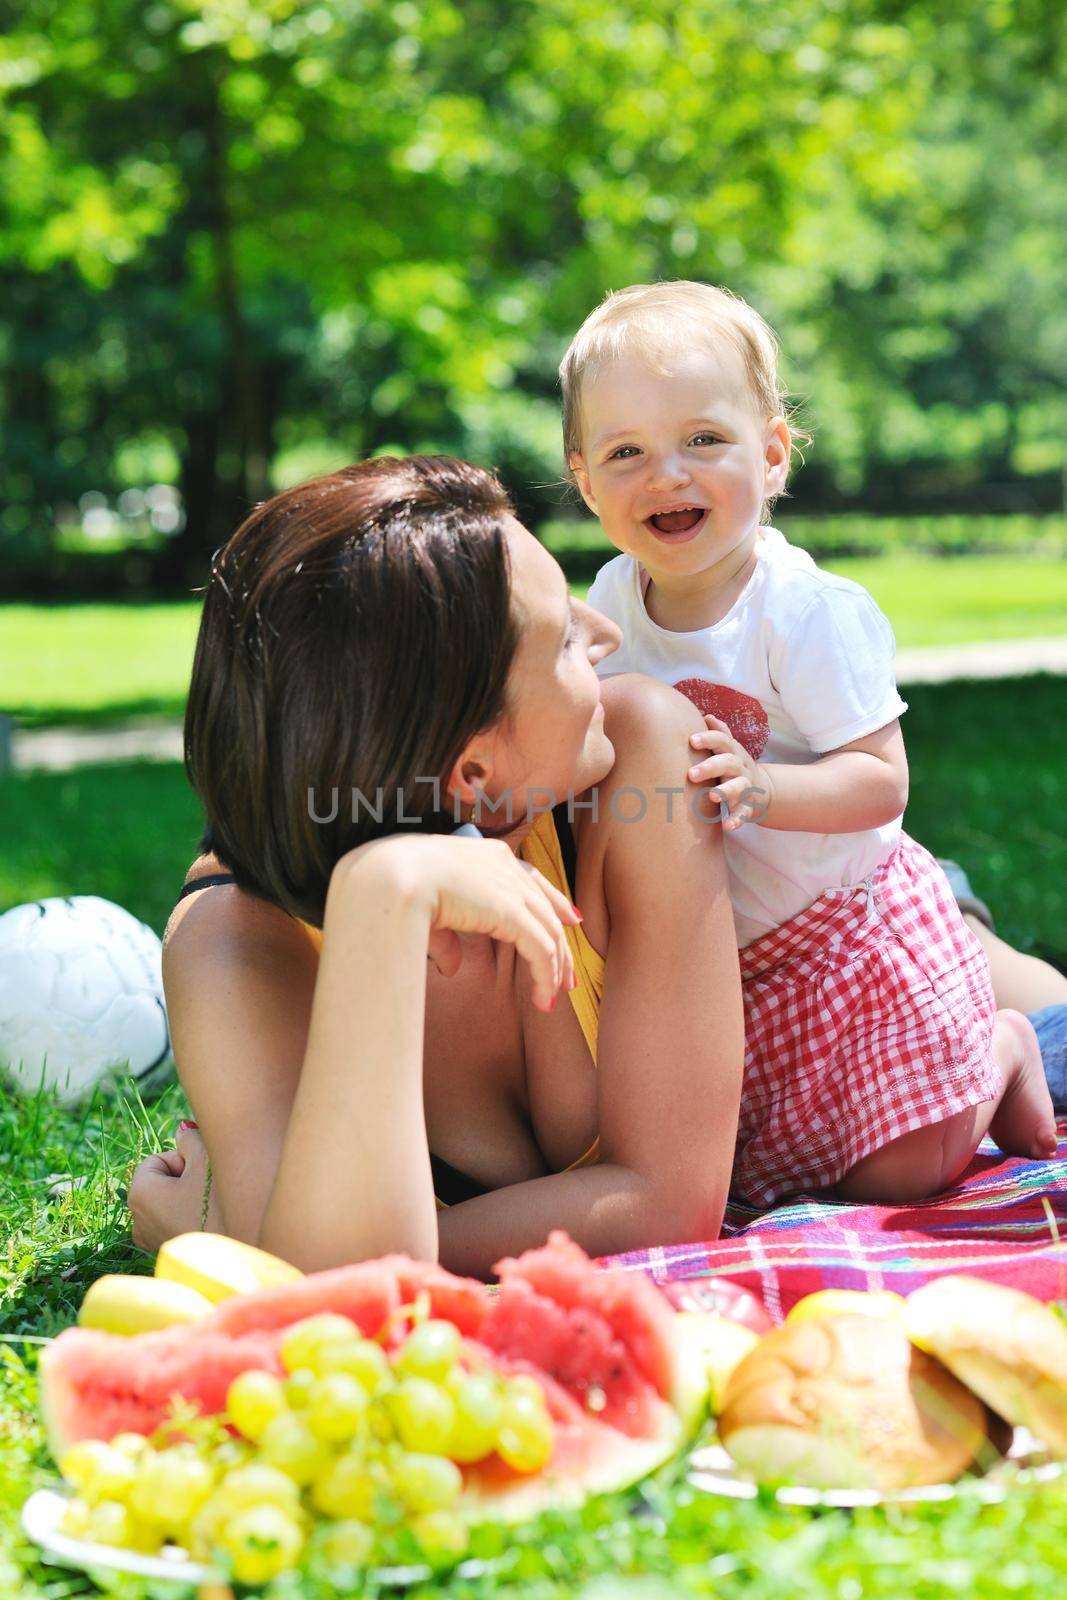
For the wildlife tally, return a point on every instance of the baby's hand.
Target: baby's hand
(743, 786)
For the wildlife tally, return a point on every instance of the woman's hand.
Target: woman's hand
(479, 886)
(166, 1194)
(744, 787)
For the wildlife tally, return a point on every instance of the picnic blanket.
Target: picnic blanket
(999, 1222)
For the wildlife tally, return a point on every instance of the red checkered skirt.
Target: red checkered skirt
(867, 1015)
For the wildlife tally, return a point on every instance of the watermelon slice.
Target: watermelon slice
(624, 1380)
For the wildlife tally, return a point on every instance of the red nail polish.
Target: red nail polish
(186, 1124)
(577, 913)
(552, 1002)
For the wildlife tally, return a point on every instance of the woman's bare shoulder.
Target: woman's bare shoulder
(641, 712)
(649, 724)
(222, 923)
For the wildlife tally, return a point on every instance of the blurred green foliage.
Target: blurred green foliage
(247, 240)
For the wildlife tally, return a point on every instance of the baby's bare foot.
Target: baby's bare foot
(1024, 1123)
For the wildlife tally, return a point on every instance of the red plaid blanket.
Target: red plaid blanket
(1000, 1221)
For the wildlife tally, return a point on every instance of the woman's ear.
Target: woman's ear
(469, 775)
(576, 462)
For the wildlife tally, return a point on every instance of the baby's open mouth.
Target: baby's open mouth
(677, 521)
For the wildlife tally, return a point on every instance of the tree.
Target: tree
(290, 231)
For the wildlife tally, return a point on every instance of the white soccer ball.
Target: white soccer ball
(81, 994)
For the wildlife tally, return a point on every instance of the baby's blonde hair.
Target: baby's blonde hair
(654, 320)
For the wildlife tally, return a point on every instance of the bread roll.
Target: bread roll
(1005, 1345)
(849, 1402)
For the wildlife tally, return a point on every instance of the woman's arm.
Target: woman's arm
(353, 1179)
(671, 1042)
(305, 1067)
(305, 1075)
(239, 977)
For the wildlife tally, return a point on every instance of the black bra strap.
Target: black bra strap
(207, 882)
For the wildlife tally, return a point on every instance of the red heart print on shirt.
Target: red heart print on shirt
(744, 716)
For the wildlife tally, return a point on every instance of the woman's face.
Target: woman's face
(552, 739)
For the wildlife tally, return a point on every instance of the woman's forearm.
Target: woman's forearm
(354, 1177)
(607, 1208)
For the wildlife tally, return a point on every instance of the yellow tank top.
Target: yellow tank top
(541, 849)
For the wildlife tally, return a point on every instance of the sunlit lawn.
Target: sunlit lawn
(98, 662)
(955, 600)
(937, 600)
(126, 832)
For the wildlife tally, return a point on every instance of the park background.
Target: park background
(246, 241)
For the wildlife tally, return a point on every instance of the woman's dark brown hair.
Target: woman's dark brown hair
(357, 631)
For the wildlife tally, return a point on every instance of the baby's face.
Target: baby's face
(677, 466)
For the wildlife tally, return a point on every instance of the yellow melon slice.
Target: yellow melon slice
(218, 1267)
(118, 1303)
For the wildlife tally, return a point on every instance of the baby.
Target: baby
(875, 1058)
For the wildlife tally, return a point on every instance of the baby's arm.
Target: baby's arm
(832, 666)
(861, 785)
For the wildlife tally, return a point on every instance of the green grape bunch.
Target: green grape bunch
(349, 1448)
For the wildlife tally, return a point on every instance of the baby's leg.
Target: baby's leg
(1023, 1121)
(923, 1163)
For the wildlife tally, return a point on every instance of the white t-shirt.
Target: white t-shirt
(802, 663)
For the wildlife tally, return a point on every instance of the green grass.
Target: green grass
(937, 600)
(54, 1245)
(98, 663)
(126, 832)
(95, 662)
(940, 601)
(988, 778)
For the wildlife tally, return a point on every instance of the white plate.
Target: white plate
(42, 1518)
(713, 1470)
(42, 1521)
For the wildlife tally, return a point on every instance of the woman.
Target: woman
(389, 644)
